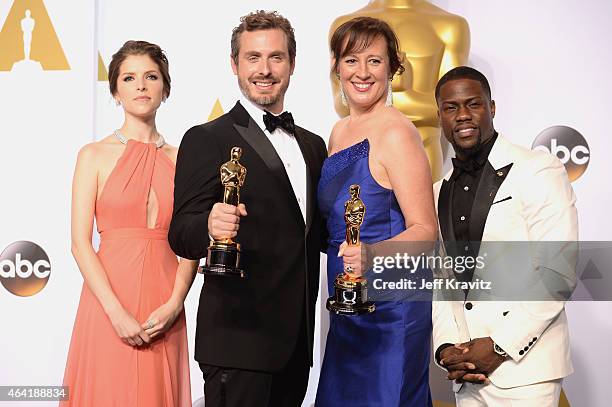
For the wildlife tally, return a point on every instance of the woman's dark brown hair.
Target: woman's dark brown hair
(357, 34)
(139, 48)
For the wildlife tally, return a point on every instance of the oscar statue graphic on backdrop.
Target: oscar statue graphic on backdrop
(433, 42)
(28, 41)
(223, 257)
(27, 27)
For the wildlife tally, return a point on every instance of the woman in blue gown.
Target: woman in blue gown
(382, 358)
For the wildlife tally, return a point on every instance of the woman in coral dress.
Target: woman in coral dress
(129, 343)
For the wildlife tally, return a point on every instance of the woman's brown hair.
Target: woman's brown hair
(357, 34)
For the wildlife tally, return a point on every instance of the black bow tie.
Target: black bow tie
(469, 166)
(284, 121)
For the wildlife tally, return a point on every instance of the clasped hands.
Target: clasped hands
(471, 361)
(139, 334)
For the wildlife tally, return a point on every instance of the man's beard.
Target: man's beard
(468, 152)
(263, 100)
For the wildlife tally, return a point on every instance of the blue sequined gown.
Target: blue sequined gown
(379, 359)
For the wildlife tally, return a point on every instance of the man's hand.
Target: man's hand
(224, 220)
(462, 371)
(478, 353)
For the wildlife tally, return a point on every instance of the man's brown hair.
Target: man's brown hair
(263, 20)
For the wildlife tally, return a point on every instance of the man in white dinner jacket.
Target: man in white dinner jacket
(501, 352)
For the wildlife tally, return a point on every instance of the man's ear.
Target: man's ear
(492, 108)
(234, 65)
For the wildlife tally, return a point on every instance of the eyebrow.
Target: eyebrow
(468, 100)
(352, 54)
(133, 73)
(258, 53)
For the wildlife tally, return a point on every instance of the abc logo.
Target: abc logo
(24, 268)
(568, 146)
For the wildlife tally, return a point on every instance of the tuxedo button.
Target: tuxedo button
(526, 348)
(530, 343)
(466, 188)
(468, 306)
(462, 218)
(521, 352)
(466, 248)
(534, 338)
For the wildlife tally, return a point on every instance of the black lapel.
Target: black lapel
(490, 181)
(256, 138)
(445, 198)
(310, 160)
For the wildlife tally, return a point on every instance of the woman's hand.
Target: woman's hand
(128, 329)
(162, 318)
(353, 258)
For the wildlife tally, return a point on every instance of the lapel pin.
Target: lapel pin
(500, 173)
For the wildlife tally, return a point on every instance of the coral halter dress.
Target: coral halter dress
(101, 369)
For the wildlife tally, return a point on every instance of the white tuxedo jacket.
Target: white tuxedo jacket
(524, 195)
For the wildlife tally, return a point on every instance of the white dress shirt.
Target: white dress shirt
(288, 150)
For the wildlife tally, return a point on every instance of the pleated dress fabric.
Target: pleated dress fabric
(101, 369)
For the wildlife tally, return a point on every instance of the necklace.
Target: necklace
(159, 143)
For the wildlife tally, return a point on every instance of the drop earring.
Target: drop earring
(342, 95)
(389, 101)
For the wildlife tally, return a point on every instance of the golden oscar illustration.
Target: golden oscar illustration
(223, 257)
(351, 293)
(432, 42)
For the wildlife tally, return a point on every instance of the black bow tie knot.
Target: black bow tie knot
(470, 166)
(284, 121)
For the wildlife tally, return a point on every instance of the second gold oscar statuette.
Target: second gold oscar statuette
(351, 293)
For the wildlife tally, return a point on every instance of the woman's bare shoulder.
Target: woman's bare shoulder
(98, 151)
(171, 151)
(397, 131)
(336, 133)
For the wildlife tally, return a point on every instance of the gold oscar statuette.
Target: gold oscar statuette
(351, 293)
(223, 257)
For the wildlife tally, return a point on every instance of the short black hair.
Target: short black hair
(464, 72)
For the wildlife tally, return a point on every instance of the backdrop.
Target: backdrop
(546, 60)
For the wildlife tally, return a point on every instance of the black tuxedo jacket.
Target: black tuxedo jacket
(251, 323)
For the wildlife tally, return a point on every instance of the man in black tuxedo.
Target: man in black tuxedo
(254, 335)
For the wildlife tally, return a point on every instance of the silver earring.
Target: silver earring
(343, 96)
(389, 101)
(117, 102)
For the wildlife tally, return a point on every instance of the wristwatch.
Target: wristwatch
(497, 349)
